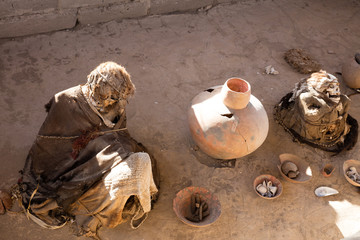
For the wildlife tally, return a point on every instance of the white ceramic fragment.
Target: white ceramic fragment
(273, 190)
(325, 191)
(267, 186)
(261, 189)
(266, 189)
(353, 169)
(353, 174)
(271, 70)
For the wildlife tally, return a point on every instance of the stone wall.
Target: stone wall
(20, 18)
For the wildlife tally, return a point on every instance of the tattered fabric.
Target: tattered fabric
(316, 120)
(81, 170)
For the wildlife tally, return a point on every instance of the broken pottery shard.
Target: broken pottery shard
(272, 190)
(288, 166)
(271, 70)
(325, 191)
(261, 189)
(353, 169)
(266, 189)
(292, 174)
(353, 174)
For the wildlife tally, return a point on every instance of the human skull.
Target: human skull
(110, 86)
(325, 83)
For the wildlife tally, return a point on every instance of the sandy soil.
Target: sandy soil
(171, 59)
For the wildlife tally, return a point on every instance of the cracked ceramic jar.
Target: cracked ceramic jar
(351, 71)
(227, 122)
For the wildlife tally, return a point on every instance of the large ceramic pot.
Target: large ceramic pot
(227, 122)
(351, 71)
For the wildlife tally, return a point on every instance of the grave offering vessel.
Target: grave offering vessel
(227, 122)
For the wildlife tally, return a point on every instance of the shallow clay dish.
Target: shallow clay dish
(182, 203)
(304, 169)
(274, 181)
(351, 163)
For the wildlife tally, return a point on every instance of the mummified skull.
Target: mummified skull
(109, 83)
(108, 88)
(325, 83)
(316, 113)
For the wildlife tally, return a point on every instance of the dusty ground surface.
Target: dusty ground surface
(171, 59)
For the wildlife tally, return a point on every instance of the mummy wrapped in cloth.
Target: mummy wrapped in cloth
(316, 113)
(83, 166)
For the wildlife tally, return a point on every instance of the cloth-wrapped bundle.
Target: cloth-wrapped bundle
(82, 170)
(316, 113)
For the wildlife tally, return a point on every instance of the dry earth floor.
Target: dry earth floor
(171, 59)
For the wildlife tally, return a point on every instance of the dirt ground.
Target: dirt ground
(171, 59)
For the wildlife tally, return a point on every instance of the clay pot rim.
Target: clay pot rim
(242, 80)
(273, 179)
(233, 96)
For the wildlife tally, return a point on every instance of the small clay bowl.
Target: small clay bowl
(304, 169)
(182, 206)
(327, 170)
(260, 179)
(351, 163)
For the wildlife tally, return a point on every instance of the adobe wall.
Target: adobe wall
(20, 18)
